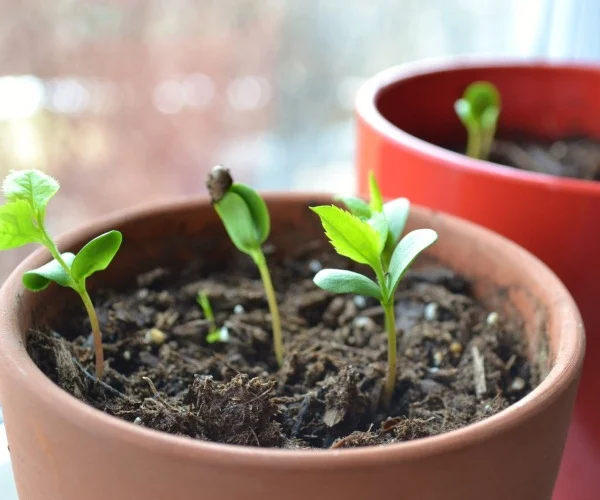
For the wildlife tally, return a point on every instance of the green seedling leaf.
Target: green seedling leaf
(463, 110)
(405, 253)
(380, 224)
(489, 118)
(355, 206)
(39, 279)
(376, 198)
(32, 186)
(17, 227)
(350, 236)
(396, 212)
(257, 207)
(341, 281)
(481, 96)
(96, 255)
(238, 222)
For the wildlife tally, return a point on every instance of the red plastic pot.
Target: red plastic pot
(405, 111)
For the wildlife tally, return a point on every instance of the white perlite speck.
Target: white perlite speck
(518, 384)
(224, 334)
(360, 301)
(431, 311)
(492, 318)
(315, 266)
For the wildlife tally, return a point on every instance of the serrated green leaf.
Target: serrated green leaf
(396, 212)
(405, 253)
(355, 206)
(341, 281)
(96, 255)
(238, 222)
(32, 186)
(378, 222)
(38, 279)
(350, 236)
(17, 227)
(376, 198)
(257, 207)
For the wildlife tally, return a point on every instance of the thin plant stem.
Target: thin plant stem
(96, 332)
(474, 141)
(390, 327)
(53, 249)
(486, 142)
(209, 315)
(261, 263)
(87, 301)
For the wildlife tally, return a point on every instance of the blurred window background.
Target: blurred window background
(132, 101)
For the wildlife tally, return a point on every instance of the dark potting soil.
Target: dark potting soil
(578, 158)
(458, 363)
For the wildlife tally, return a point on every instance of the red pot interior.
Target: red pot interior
(405, 111)
(543, 101)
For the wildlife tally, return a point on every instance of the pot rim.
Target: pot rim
(366, 109)
(16, 367)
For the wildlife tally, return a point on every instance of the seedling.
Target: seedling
(214, 333)
(479, 109)
(246, 219)
(395, 212)
(22, 221)
(364, 242)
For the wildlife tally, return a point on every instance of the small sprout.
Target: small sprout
(22, 221)
(214, 334)
(137, 421)
(364, 242)
(238, 309)
(219, 335)
(438, 357)
(246, 219)
(479, 109)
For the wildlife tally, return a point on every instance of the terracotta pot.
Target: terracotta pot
(64, 449)
(404, 111)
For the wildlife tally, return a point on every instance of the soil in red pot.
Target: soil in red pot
(458, 363)
(577, 158)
